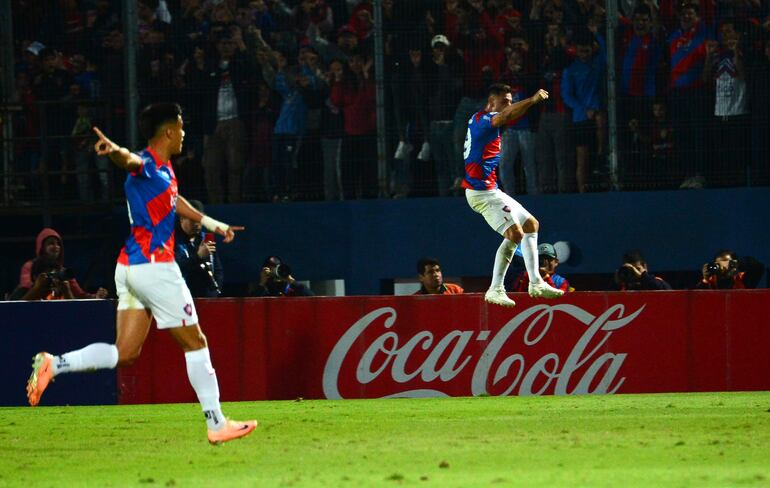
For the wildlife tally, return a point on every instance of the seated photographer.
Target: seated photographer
(547, 267)
(197, 257)
(633, 274)
(49, 282)
(729, 272)
(432, 280)
(49, 248)
(276, 280)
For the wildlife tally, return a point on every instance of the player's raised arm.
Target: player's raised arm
(184, 209)
(518, 109)
(122, 157)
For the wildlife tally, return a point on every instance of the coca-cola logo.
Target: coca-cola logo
(583, 370)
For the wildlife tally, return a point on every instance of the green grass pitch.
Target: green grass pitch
(715, 439)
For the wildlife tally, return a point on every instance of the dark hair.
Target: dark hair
(583, 37)
(499, 89)
(724, 252)
(634, 256)
(426, 262)
(271, 260)
(154, 116)
(151, 4)
(642, 9)
(196, 204)
(691, 5)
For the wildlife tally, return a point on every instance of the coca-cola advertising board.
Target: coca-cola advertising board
(375, 347)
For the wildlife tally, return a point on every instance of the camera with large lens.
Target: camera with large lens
(712, 269)
(60, 274)
(281, 272)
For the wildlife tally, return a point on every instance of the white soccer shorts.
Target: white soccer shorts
(500, 210)
(158, 287)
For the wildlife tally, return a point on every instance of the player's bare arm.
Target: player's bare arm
(120, 156)
(518, 109)
(184, 209)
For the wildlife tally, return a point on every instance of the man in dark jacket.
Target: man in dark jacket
(197, 257)
(633, 274)
(224, 88)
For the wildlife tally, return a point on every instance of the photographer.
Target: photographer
(197, 257)
(547, 264)
(276, 280)
(727, 272)
(49, 252)
(633, 274)
(49, 282)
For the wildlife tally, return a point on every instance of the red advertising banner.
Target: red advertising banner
(372, 347)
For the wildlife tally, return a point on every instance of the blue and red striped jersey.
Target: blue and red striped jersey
(641, 56)
(687, 51)
(151, 194)
(481, 152)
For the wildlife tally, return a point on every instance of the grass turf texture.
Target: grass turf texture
(720, 439)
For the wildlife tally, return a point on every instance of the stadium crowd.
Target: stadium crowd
(280, 102)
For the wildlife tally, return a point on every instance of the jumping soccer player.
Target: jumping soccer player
(504, 214)
(147, 278)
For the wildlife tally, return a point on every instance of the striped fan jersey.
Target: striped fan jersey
(151, 194)
(481, 152)
(687, 51)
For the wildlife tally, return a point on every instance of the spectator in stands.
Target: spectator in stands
(276, 280)
(226, 87)
(583, 91)
(347, 43)
(518, 137)
(443, 95)
(53, 84)
(197, 256)
(353, 91)
(725, 71)
(332, 133)
(432, 279)
(48, 283)
(729, 272)
(260, 156)
(689, 101)
(49, 252)
(652, 144)
(759, 103)
(548, 262)
(633, 274)
(641, 60)
(554, 153)
(293, 83)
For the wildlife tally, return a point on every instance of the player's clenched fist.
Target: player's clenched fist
(540, 96)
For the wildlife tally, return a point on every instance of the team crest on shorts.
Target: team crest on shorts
(188, 309)
(507, 209)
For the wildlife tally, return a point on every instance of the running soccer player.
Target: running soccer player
(504, 214)
(147, 278)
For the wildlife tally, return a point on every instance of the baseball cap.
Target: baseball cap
(546, 249)
(346, 29)
(439, 38)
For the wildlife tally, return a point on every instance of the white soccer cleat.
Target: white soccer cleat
(498, 297)
(544, 290)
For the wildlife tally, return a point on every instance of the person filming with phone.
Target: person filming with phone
(197, 257)
(275, 280)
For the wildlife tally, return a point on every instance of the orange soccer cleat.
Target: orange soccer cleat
(233, 429)
(42, 374)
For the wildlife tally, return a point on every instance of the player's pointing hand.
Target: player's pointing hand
(540, 96)
(230, 233)
(104, 146)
